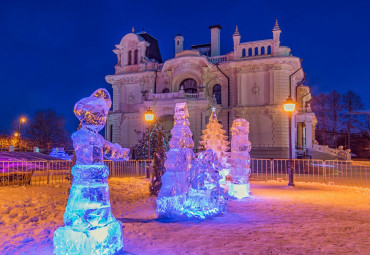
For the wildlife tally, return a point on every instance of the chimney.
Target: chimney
(215, 40)
(179, 43)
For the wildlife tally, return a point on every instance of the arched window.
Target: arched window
(269, 49)
(217, 93)
(243, 53)
(263, 50)
(189, 85)
(135, 57)
(249, 52)
(256, 51)
(129, 57)
(166, 90)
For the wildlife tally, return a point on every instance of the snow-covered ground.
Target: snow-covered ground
(310, 219)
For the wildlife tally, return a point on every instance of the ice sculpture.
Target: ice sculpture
(175, 181)
(205, 198)
(240, 159)
(90, 227)
(214, 138)
(60, 153)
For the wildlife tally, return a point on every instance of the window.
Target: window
(217, 93)
(178, 42)
(243, 53)
(269, 49)
(249, 52)
(166, 90)
(262, 50)
(129, 57)
(189, 85)
(256, 51)
(135, 57)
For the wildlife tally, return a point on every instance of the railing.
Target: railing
(217, 59)
(34, 172)
(331, 172)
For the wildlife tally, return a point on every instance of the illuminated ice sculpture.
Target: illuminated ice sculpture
(240, 159)
(175, 181)
(205, 198)
(214, 138)
(90, 227)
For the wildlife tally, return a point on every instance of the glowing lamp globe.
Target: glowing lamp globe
(149, 115)
(289, 105)
(16, 134)
(23, 119)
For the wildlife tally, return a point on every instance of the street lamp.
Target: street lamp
(149, 117)
(289, 107)
(22, 120)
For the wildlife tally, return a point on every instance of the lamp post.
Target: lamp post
(289, 107)
(22, 120)
(149, 117)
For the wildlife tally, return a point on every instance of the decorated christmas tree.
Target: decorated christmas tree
(159, 158)
(214, 138)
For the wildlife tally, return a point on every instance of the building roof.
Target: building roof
(153, 49)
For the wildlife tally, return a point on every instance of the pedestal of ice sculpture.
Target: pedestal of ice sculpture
(240, 159)
(90, 227)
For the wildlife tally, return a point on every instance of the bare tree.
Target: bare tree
(47, 130)
(351, 103)
(320, 107)
(334, 109)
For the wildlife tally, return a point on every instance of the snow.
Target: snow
(309, 219)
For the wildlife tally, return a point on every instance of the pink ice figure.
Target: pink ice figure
(240, 159)
(90, 227)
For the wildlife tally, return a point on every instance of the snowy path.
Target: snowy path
(311, 219)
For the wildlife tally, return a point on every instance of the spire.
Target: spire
(236, 31)
(276, 27)
(132, 30)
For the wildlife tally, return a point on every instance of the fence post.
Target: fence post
(113, 171)
(137, 167)
(48, 173)
(272, 168)
(324, 171)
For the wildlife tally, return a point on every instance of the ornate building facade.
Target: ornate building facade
(251, 82)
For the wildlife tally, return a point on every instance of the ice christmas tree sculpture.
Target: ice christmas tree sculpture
(214, 138)
(205, 198)
(240, 159)
(90, 227)
(175, 181)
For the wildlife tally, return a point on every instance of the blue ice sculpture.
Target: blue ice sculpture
(175, 181)
(90, 227)
(206, 198)
(240, 159)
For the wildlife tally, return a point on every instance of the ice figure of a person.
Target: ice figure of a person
(206, 198)
(175, 181)
(90, 227)
(240, 159)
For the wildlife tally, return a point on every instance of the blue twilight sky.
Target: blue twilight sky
(52, 53)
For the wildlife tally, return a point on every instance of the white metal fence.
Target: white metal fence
(332, 172)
